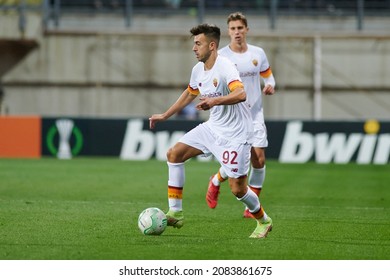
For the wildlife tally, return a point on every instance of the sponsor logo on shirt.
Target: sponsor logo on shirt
(212, 94)
(248, 74)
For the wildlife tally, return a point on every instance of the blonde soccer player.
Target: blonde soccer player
(253, 65)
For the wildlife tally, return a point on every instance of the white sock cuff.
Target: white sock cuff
(176, 175)
(256, 177)
(175, 164)
(251, 201)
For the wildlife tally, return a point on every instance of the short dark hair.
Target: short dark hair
(237, 16)
(211, 31)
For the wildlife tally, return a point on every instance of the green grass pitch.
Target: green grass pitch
(87, 208)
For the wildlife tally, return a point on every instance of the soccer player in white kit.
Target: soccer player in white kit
(228, 133)
(252, 63)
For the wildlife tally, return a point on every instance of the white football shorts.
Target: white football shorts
(233, 157)
(260, 135)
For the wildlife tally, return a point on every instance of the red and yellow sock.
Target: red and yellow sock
(257, 191)
(175, 198)
(259, 214)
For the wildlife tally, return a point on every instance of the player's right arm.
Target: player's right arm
(185, 98)
(237, 95)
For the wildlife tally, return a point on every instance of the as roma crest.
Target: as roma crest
(215, 82)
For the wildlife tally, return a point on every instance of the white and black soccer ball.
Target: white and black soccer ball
(152, 221)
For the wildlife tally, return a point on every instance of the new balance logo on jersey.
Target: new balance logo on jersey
(234, 170)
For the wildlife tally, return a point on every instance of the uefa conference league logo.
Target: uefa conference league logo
(65, 128)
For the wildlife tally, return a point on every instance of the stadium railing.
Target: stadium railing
(53, 10)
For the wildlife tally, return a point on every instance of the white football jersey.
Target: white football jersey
(251, 65)
(230, 122)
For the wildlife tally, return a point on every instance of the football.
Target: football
(152, 221)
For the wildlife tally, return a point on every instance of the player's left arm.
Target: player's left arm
(269, 81)
(269, 85)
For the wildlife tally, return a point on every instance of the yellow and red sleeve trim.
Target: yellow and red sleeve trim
(266, 73)
(193, 91)
(174, 192)
(235, 84)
